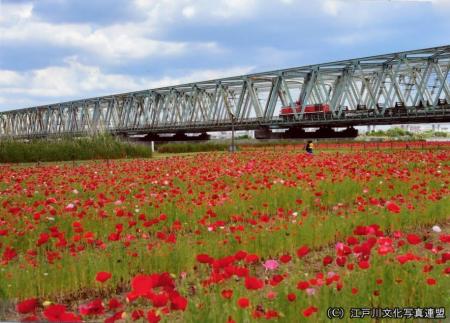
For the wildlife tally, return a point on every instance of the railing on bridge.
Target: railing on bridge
(404, 87)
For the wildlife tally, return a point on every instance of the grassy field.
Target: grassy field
(218, 237)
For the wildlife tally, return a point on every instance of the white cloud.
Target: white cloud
(441, 4)
(189, 11)
(8, 78)
(116, 43)
(360, 13)
(331, 7)
(15, 12)
(201, 75)
(122, 42)
(235, 8)
(362, 36)
(62, 81)
(76, 80)
(365, 10)
(166, 11)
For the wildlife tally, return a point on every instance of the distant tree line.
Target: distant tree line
(399, 132)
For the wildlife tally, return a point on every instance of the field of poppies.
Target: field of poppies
(219, 237)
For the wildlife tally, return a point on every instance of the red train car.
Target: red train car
(310, 110)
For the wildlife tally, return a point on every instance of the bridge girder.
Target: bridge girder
(414, 78)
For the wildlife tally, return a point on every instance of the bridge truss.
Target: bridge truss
(403, 87)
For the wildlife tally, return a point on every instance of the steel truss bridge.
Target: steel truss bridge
(397, 88)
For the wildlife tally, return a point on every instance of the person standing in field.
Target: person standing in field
(309, 147)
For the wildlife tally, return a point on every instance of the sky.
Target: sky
(60, 50)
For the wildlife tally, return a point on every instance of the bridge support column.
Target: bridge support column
(266, 133)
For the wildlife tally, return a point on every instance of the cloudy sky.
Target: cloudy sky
(58, 50)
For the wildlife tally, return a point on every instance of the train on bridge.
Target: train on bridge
(323, 111)
(309, 111)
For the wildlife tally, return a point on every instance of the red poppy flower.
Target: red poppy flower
(27, 306)
(142, 284)
(340, 261)
(241, 271)
(116, 317)
(413, 239)
(93, 308)
(243, 302)
(271, 314)
(291, 297)
(302, 251)
(406, 257)
(285, 258)
(253, 283)
(327, 260)
(43, 238)
(431, 281)
(240, 255)
(352, 240)
(114, 304)
(444, 238)
(178, 302)
(302, 285)
(204, 259)
(392, 207)
(309, 311)
(152, 317)
(227, 293)
(445, 257)
(159, 300)
(363, 264)
(54, 310)
(276, 279)
(57, 313)
(427, 268)
(102, 276)
(251, 258)
(137, 314)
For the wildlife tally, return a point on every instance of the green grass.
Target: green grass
(66, 149)
(174, 148)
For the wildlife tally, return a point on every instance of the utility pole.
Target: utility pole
(233, 147)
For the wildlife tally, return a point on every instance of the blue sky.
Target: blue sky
(58, 50)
